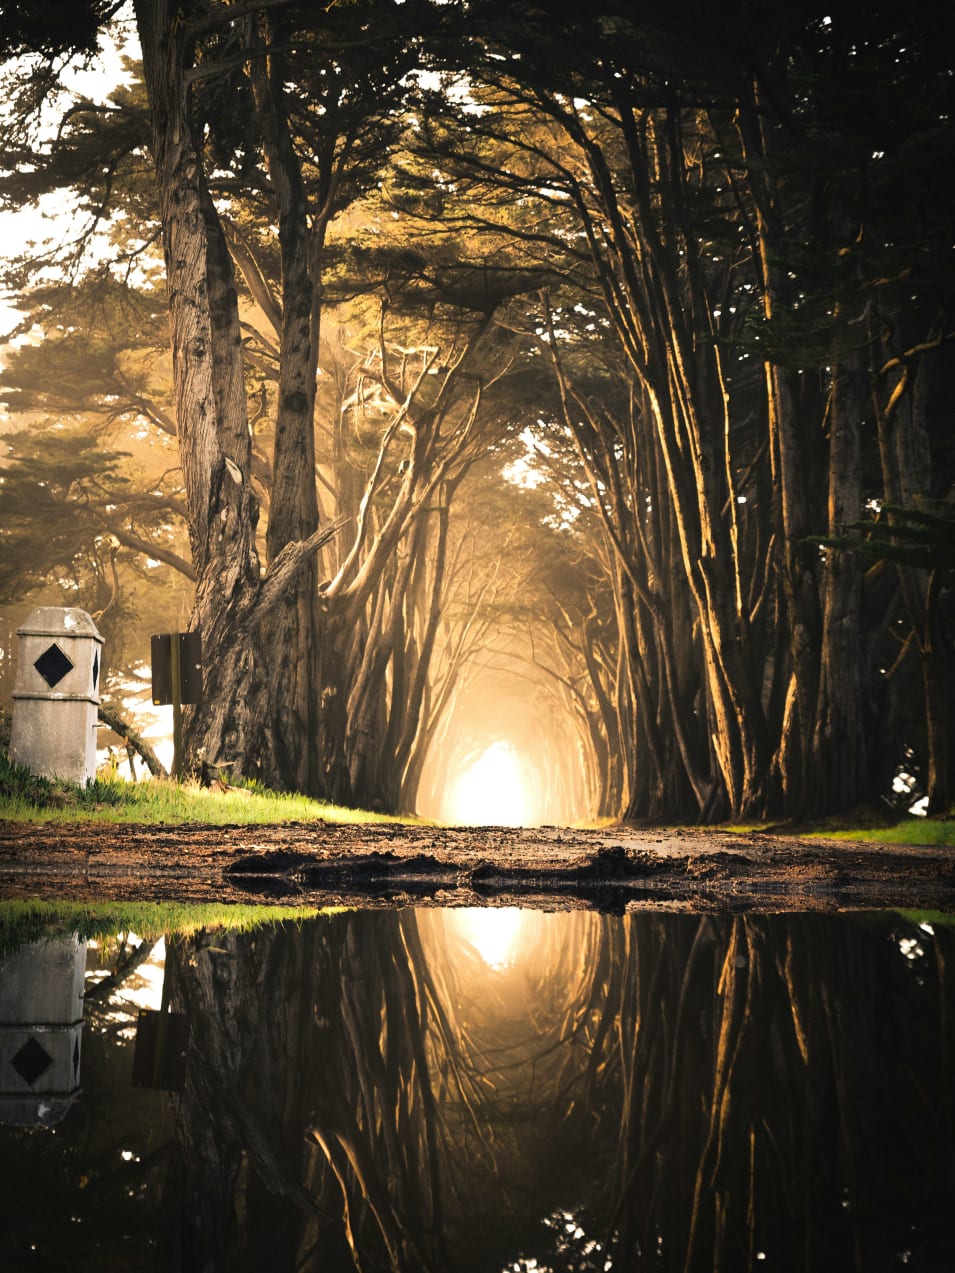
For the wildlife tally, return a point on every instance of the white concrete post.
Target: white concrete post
(41, 1027)
(56, 695)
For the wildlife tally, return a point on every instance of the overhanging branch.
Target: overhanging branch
(289, 562)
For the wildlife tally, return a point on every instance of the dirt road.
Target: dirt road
(325, 864)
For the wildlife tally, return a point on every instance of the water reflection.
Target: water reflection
(41, 1028)
(373, 1091)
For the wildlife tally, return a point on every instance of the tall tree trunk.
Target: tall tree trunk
(906, 475)
(232, 596)
(840, 764)
(790, 470)
(214, 441)
(289, 634)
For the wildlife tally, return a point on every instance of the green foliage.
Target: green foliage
(100, 354)
(59, 487)
(939, 831)
(923, 537)
(81, 516)
(25, 789)
(18, 784)
(935, 918)
(52, 27)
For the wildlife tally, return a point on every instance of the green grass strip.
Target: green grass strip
(935, 919)
(27, 798)
(873, 829)
(33, 920)
(924, 831)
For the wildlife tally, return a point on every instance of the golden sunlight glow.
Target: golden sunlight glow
(492, 932)
(490, 793)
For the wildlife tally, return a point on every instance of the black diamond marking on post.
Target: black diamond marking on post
(53, 665)
(76, 1058)
(31, 1061)
(95, 669)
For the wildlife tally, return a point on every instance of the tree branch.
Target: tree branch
(154, 551)
(290, 561)
(124, 970)
(111, 717)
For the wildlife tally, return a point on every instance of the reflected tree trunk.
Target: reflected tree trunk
(693, 1092)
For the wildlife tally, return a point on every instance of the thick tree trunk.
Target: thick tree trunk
(409, 703)
(939, 701)
(906, 474)
(289, 634)
(212, 424)
(231, 726)
(791, 472)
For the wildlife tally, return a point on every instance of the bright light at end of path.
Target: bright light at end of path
(490, 793)
(492, 933)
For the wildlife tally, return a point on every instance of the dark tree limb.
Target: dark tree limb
(125, 968)
(283, 570)
(112, 718)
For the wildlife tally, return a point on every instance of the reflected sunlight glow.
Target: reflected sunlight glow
(490, 793)
(492, 932)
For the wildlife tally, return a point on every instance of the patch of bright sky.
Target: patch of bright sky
(457, 88)
(526, 471)
(142, 990)
(529, 471)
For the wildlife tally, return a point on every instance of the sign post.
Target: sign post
(177, 679)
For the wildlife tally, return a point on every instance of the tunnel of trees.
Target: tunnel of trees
(480, 374)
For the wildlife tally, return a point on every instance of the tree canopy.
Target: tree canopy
(686, 277)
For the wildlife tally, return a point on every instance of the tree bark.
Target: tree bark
(211, 415)
(790, 471)
(289, 635)
(839, 761)
(233, 725)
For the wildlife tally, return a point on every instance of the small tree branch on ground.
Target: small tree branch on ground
(125, 968)
(111, 717)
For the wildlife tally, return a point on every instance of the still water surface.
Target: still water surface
(496, 1092)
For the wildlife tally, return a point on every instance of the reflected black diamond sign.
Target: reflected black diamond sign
(95, 669)
(31, 1061)
(53, 665)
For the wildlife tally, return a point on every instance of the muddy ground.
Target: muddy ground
(324, 864)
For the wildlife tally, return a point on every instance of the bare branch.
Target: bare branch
(290, 561)
(111, 717)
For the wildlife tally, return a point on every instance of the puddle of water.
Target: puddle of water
(497, 1090)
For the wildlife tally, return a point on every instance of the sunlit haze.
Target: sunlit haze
(494, 934)
(490, 792)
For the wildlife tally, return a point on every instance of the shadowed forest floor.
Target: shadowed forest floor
(614, 869)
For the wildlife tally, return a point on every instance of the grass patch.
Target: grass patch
(27, 798)
(34, 920)
(873, 826)
(935, 919)
(928, 831)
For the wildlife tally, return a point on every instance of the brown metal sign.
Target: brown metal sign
(189, 651)
(159, 1061)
